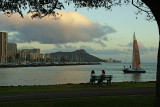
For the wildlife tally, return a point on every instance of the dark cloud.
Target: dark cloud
(72, 27)
(105, 38)
(100, 42)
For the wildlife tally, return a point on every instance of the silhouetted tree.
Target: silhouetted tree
(42, 8)
(38, 8)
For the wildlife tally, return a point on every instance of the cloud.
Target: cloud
(101, 43)
(141, 46)
(126, 45)
(60, 48)
(153, 49)
(26, 47)
(108, 51)
(70, 28)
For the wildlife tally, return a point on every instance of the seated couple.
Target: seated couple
(100, 80)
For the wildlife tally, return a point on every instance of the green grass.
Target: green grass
(104, 101)
(17, 89)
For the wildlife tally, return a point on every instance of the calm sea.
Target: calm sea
(51, 75)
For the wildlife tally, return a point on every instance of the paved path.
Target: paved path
(75, 93)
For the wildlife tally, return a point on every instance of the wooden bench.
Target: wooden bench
(108, 78)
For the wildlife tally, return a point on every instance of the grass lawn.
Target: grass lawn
(104, 101)
(16, 89)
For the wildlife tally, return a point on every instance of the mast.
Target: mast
(136, 55)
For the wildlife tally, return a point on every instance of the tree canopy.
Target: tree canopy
(42, 8)
(38, 8)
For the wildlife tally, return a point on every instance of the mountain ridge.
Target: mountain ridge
(75, 56)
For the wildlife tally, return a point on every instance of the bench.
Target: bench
(108, 78)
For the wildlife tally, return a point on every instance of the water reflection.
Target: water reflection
(136, 77)
(69, 74)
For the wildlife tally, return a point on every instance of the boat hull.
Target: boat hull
(133, 71)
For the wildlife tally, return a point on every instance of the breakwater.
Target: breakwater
(38, 65)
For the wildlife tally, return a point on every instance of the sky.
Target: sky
(104, 34)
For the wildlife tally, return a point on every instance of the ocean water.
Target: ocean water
(50, 75)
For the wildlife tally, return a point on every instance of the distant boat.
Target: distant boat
(136, 63)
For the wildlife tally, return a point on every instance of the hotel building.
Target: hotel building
(3, 47)
(11, 52)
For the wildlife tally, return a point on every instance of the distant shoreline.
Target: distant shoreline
(40, 65)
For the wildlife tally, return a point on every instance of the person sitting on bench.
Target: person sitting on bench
(102, 77)
(93, 77)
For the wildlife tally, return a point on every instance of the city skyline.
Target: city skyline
(102, 33)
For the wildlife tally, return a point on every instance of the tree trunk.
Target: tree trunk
(154, 7)
(157, 101)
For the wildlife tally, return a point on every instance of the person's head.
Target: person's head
(103, 71)
(92, 72)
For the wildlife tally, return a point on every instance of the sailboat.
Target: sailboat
(136, 63)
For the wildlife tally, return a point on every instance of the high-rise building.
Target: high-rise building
(3, 47)
(11, 52)
(31, 54)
